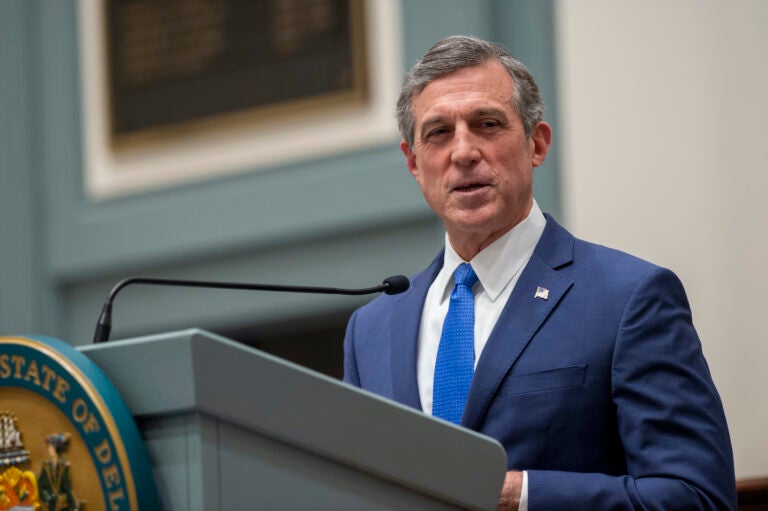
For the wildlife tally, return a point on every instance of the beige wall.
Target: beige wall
(665, 155)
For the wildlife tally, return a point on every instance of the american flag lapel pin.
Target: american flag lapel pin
(542, 292)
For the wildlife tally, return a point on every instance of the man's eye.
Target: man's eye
(437, 132)
(490, 123)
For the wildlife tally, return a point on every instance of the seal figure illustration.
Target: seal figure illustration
(55, 480)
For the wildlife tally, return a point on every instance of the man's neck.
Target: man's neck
(468, 244)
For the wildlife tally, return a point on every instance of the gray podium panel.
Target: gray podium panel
(230, 427)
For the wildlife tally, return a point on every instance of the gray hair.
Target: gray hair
(458, 52)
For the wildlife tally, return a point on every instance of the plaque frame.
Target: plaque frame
(240, 142)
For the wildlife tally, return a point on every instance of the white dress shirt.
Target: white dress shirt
(498, 268)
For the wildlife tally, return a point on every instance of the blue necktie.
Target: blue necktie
(456, 353)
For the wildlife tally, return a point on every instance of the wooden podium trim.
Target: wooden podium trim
(753, 494)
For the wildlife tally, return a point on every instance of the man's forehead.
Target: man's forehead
(489, 68)
(493, 66)
(490, 79)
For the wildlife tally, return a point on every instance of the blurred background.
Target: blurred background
(255, 141)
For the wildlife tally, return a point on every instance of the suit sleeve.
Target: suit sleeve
(351, 375)
(670, 418)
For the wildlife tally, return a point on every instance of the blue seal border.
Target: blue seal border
(124, 436)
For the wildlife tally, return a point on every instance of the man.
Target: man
(587, 367)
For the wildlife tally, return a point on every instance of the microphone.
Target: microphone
(391, 285)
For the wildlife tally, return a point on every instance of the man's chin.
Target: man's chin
(474, 227)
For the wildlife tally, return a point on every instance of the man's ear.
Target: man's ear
(541, 138)
(410, 158)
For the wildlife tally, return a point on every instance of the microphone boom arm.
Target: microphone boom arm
(391, 285)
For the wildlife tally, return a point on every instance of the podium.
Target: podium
(228, 427)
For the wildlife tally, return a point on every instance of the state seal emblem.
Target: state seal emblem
(67, 440)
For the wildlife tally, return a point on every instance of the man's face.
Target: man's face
(471, 156)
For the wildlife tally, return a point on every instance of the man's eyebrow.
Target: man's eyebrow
(494, 112)
(431, 121)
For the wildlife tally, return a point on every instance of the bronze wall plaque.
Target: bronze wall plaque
(180, 65)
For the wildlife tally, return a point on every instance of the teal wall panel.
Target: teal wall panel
(27, 298)
(526, 27)
(244, 213)
(17, 212)
(427, 21)
(346, 220)
(360, 258)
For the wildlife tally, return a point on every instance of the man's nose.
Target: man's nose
(465, 151)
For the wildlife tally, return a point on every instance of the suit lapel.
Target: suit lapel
(521, 318)
(406, 323)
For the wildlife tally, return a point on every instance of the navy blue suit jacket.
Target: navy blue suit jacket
(600, 391)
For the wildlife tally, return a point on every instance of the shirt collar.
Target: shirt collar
(498, 263)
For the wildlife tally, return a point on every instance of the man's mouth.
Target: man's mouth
(469, 187)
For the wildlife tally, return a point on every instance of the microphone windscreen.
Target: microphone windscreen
(396, 284)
